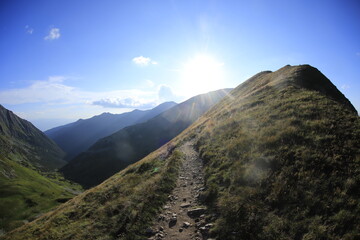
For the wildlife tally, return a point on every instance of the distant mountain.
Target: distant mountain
(113, 153)
(281, 161)
(78, 136)
(28, 184)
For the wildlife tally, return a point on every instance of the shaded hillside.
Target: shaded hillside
(113, 153)
(78, 136)
(281, 162)
(19, 135)
(27, 185)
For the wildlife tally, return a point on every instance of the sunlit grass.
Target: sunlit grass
(277, 164)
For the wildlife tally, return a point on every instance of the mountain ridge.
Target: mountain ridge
(280, 162)
(76, 137)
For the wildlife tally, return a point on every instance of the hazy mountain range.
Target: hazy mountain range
(78, 136)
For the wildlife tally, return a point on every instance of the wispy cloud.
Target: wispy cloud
(149, 83)
(39, 91)
(143, 61)
(345, 86)
(126, 103)
(55, 91)
(29, 30)
(53, 34)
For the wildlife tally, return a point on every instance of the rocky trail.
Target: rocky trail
(183, 217)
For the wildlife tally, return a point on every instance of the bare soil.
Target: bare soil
(174, 221)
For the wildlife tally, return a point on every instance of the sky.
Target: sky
(70, 59)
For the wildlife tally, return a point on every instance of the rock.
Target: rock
(209, 225)
(161, 217)
(185, 205)
(159, 235)
(166, 207)
(186, 224)
(196, 212)
(181, 229)
(150, 232)
(184, 199)
(161, 228)
(172, 221)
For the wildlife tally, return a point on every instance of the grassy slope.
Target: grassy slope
(25, 193)
(28, 186)
(281, 162)
(121, 207)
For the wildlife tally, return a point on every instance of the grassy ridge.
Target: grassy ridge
(121, 207)
(282, 163)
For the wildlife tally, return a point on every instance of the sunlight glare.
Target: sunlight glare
(202, 74)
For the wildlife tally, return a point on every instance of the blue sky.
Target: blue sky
(65, 60)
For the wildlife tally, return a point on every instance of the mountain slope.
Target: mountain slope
(28, 186)
(21, 136)
(281, 161)
(78, 136)
(113, 153)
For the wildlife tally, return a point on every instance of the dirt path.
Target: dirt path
(183, 217)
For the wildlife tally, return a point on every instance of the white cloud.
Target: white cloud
(29, 30)
(53, 34)
(143, 61)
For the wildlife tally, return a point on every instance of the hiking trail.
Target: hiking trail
(182, 217)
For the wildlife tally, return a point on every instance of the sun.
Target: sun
(202, 74)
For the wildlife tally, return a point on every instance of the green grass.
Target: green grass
(26, 193)
(120, 208)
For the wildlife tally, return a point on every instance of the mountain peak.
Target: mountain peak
(303, 76)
